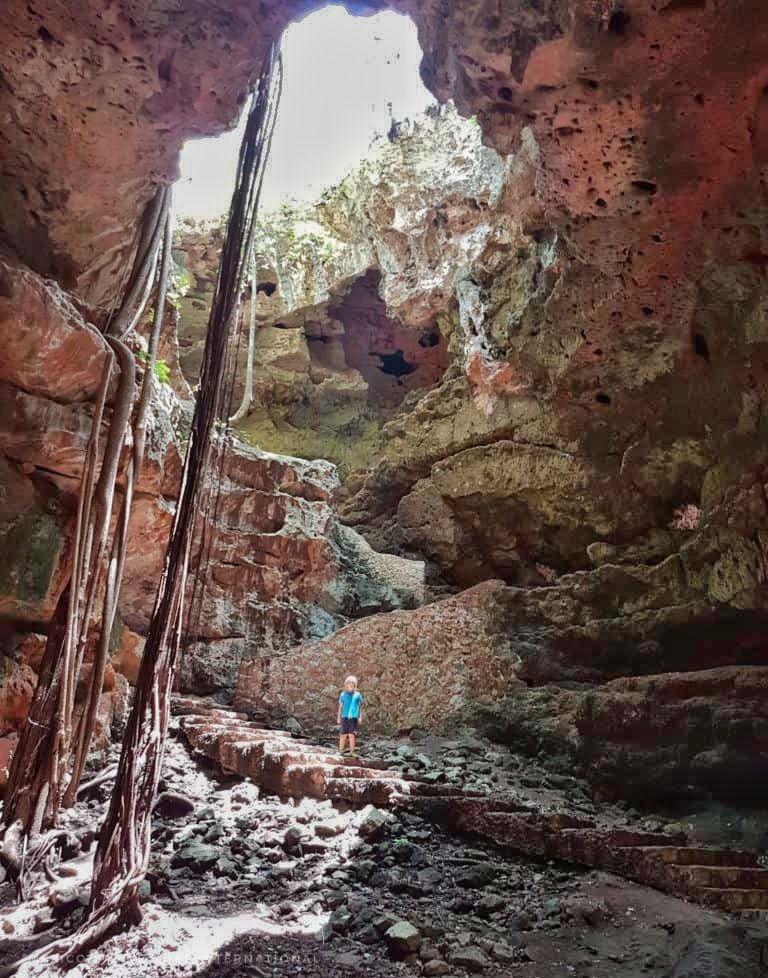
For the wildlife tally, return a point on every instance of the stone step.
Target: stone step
(191, 706)
(285, 765)
(628, 838)
(288, 766)
(754, 914)
(734, 900)
(363, 791)
(700, 856)
(720, 877)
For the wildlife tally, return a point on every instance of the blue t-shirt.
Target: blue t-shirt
(350, 704)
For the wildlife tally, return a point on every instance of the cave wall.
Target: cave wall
(605, 420)
(625, 379)
(353, 289)
(96, 102)
(279, 568)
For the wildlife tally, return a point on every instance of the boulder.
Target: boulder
(402, 939)
(373, 823)
(173, 805)
(198, 856)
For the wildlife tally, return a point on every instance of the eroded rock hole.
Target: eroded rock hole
(618, 22)
(759, 128)
(392, 358)
(266, 288)
(674, 5)
(700, 346)
(395, 364)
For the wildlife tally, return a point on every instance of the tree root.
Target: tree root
(50, 757)
(122, 854)
(105, 775)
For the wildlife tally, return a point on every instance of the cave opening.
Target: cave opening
(392, 357)
(395, 364)
(331, 363)
(550, 584)
(346, 79)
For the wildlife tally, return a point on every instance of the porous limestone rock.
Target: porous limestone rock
(628, 672)
(275, 565)
(609, 349)
(351, 288)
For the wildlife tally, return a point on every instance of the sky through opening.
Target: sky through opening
(345, 78)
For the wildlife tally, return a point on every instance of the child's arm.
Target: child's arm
(338, 712)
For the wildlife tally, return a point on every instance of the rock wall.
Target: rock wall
(626, 674)
(597, 396)
(602, 423)
(353, 290)
(277, 567)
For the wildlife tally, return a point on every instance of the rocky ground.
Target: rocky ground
(242, 884)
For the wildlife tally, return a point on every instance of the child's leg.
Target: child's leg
(342, 738)
(352, 743)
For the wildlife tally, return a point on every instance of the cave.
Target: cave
(385, 569)
(392, 357)
(395, 364)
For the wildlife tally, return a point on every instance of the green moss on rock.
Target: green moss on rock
(31, 546)
(351, 443)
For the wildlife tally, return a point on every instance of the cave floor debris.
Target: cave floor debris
(279, 763)
(243, 883)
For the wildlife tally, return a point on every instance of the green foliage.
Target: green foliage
(350, 444)
(180, 284)
(161, 370)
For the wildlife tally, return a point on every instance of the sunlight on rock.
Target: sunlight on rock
(384, 511)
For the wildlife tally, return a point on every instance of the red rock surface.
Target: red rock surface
(283, 765)
(416, 668)
(48, 348)
(271, 569)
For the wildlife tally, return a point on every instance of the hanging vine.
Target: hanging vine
(47, 764)
(116, 565)
(124, 841)
(245, 404)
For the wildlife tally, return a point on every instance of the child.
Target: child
(348, 716)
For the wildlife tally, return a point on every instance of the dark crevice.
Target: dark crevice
(700, 346)
(645, 186)
(618, 22)
(395, 364)
(674, 5)
(45, 35)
